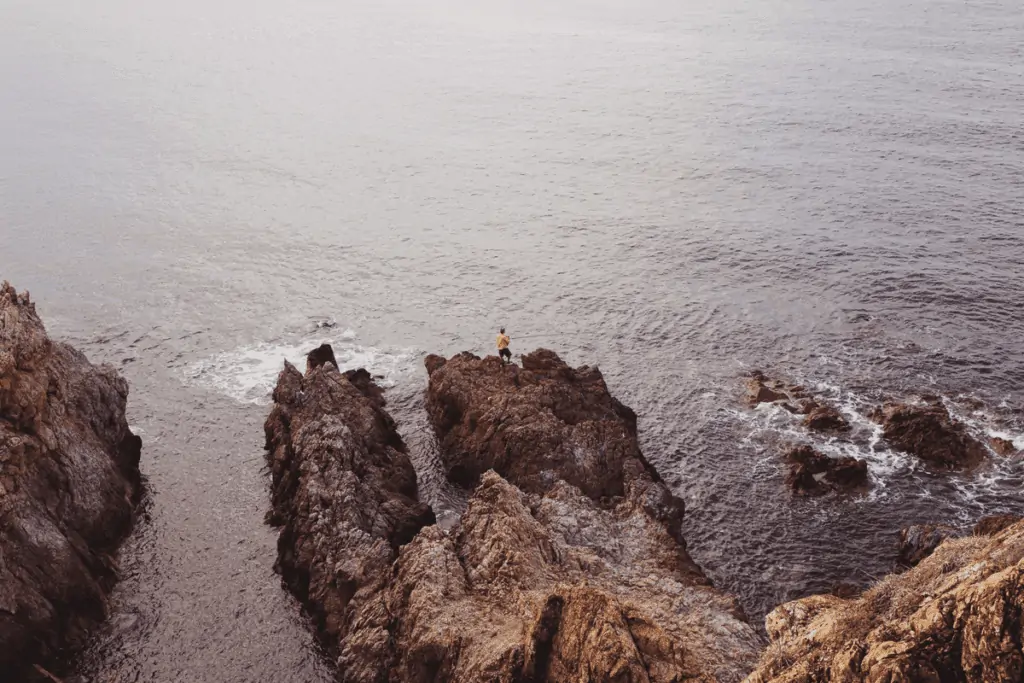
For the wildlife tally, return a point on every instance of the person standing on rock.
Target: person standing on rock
(503, 341)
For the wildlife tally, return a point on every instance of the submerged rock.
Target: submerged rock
(824, 418)
(929, 432)
(920, 540)
(812, 473)
(954, 617)
(1003, 447)
(69, 482)
(568, 580)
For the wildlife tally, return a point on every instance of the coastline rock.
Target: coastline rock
(929, 432)
(539, 425)
(760, 389)
(547, 586)
(320, 355)
(993, 524)
(920, 540)
(69, 483)
(1003, 447)
(344, 494)
(825, 419)
(954, 617)
(554, 589)
(812, 473)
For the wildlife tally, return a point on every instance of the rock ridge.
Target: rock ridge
(69, 485)
(565, 565)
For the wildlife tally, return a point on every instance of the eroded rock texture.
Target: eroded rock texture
(954, 617)
(344, 495)
(928, 431)
(578, 578)
(539, 425)
(69, 483)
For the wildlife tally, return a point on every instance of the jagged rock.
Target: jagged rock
(69, 483)
(1003, 447)
(920, 540)
(556, 588)
(954, 617)
(320, 355)
(929, 432)
(759, 391)
(812, 473)
(344, 494)
(825, 418)
(543, 587)
(993, 524)
(541, 424)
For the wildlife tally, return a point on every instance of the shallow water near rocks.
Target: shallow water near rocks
(678, 192)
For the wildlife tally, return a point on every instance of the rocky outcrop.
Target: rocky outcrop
(1001, 446)
(811, 473)
(559, 579)
(344, 494)
(69, 482)
(993, 524)
(927, 431)
(920, 540)
(539, 425)
(954, 617)
(825, 419)
(555, 588)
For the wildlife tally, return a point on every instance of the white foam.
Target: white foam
(248, 374)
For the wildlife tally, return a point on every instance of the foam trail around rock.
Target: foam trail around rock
(248, 373)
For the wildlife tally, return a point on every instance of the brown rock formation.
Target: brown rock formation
(993, 524)
(920, 540)
(344, 495)
(554, 589)
(812, 473)
(558, 584)
(929, 432)
(539, 425)
(1002, 447)
(69, 481)
(954, 617)
(825, 419)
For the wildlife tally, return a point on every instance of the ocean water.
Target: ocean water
(678, 192)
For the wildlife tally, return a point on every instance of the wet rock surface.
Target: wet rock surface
(928, 431)
(556, 579)
(1003, 447)
(69, 483)
(920, 540)
(954, 617)
(811, 473)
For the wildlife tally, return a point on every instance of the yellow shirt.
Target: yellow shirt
(503, 341)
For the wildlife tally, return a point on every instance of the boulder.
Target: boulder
(320, 355)
(812, 473)
(956, 616)
(824, 418)
(929, 432)
(345, 498)
(920, 540)
(1003, 447)
(69, 484)
(539, 425)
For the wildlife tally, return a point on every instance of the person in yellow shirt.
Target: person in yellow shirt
(503, 342)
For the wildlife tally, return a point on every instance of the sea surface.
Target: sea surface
(678, 192)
